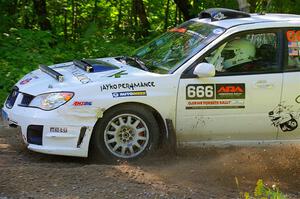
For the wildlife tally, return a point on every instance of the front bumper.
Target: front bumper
(62, 131)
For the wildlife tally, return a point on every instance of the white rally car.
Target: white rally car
(224, 77)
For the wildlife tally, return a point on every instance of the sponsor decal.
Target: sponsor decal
(58, 130)
(293, 52)
(82, 103)
(293, 35)
(215, 96)
(298, 99)
(180, 30)
(129, 94)
(285, 117)
(79, 74)
(293, 44)
(119, 74)
(215, 104)
(28, 78)
(25, 81)
(293, 38)
(230, 91)
(218, 31)
(131, 86)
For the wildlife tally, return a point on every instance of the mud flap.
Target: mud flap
(171, 141)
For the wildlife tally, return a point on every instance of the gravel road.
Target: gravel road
(192, 173)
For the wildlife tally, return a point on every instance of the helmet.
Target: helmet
(238, 52)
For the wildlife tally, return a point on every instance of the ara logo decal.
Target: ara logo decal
(230, 91)
(79, 103)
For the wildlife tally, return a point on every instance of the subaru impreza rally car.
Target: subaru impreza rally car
(223, 77)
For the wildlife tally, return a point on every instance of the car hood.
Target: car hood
(37, 81)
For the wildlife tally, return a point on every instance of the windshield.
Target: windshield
(176, 46)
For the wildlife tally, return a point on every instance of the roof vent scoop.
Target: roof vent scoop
(217, 14)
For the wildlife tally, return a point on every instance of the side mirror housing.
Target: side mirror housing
(205, 70)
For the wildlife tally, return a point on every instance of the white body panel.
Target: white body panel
(291, 100)
(229, 119)
(74, 117)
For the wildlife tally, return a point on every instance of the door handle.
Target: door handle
(263, 84)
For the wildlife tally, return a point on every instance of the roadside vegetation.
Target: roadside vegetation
(36, 32)
(261, 191)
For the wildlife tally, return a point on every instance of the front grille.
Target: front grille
(35, 134)
(26, 99)
(11, 99)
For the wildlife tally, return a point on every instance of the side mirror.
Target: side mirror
(205, 70)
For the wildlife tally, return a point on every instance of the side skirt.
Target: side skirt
(226, 143)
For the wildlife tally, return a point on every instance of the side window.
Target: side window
(247, 53)
(293, 49)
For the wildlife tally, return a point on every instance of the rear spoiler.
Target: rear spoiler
(56, 75)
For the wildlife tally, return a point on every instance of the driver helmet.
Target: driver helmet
(238, 52)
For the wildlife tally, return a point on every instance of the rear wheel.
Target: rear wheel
(127, 133)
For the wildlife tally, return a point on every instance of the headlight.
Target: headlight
(50, 101)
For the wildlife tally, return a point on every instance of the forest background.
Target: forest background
(34, 32)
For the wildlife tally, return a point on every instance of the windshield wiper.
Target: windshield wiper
(136, 60)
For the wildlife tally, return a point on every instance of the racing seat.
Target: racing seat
(267, 53)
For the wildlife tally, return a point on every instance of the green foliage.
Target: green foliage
(263, 192)
(22, 50)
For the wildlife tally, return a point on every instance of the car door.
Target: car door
(233, 105)
(288, 110)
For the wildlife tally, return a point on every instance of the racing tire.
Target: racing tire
(125, 133)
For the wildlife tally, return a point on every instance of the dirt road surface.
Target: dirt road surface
(192, 173)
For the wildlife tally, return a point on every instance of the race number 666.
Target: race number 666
(200, 91)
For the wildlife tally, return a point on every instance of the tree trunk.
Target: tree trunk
(141, 13)
(77, 13)
(95, 11)
(119, 21)
(65, 25)
(185, 8)
(73, 19)
(175, 17)
(41, 12)
(12, 8)
(167, 15)
(244, 5)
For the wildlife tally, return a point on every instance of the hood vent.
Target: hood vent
(92, 65)
(56, 75)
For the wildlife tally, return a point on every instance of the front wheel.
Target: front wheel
(126, 133)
